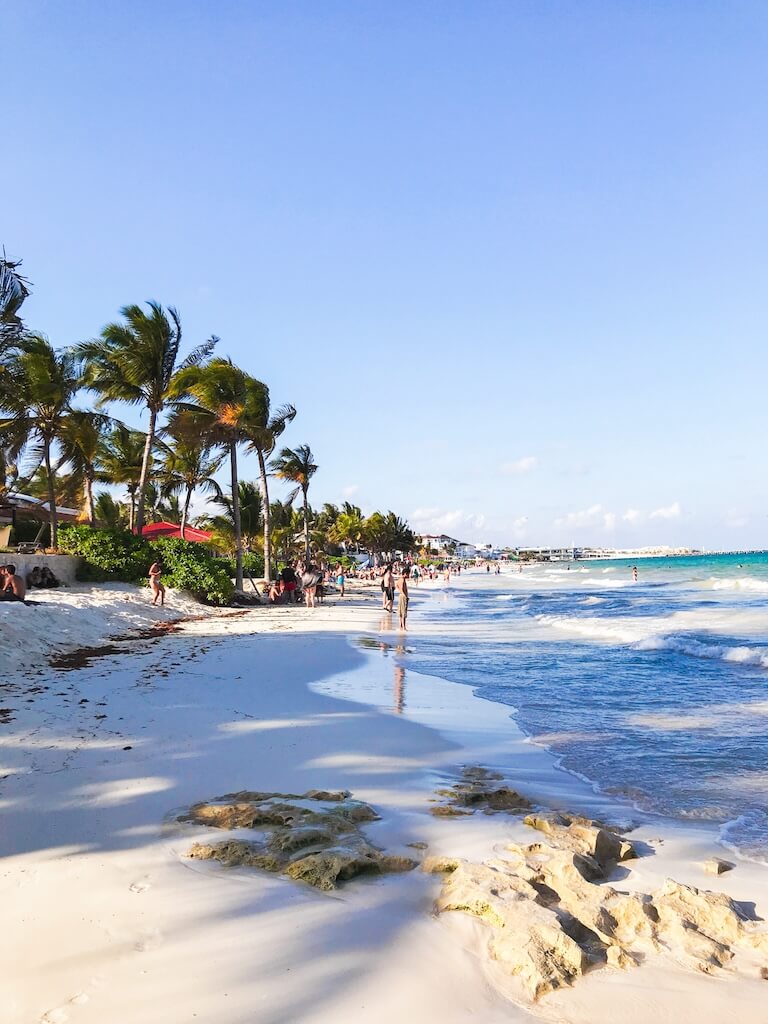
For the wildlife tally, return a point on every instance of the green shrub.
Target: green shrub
(107, 554)
(192, 567)
(118, 555)
(253, 564)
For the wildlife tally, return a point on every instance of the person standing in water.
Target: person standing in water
(388, 588)
(402, 603)
(634, 574)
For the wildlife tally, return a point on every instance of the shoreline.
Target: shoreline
(230, 703)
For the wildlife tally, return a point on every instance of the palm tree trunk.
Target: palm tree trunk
(132, 512)
(51, 496)
(306, 526)
(89, 499)
(185, 511)
(236, 517)
(143, 479)
(265, 515)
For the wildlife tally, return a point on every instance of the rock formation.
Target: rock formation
(550, 922)
(479, 789)
(312, 837)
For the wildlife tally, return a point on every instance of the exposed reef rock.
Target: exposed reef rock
(479, 789)
(313, 837)
(550, 922)
(602, 843)
(718, 866)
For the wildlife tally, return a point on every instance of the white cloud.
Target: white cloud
(594, 516)
(350, 489)
(591, 516)
(520, 527)
(672, 511)
(435, 520)
(631, 515)
(523, 465)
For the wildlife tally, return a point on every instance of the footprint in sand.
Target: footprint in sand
(148, 941)
(141, 886)
(60, 1014)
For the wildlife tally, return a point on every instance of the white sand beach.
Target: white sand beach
(106, 918)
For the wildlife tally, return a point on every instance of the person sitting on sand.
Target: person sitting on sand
(34, 578)
(158, 590)
(12, 587)
(289, 583)
(47, 579)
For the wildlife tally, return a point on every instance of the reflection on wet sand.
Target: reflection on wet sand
(399, 694)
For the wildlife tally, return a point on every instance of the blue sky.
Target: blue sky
(507, 259)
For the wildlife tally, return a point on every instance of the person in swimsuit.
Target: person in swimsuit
(289, 583)
(388, 588)
(402, 604)
(158, 590)
(310, 579)
(340, 579)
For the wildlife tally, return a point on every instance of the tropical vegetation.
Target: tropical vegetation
(201, 414)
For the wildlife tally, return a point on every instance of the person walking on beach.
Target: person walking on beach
(340, 579)
(388, 588)
(157, 588)
(402, 602)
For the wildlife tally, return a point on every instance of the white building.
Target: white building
(438, 543)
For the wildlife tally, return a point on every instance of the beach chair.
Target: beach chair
(31, 547)
(5, 536)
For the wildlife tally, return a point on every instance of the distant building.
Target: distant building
(464, 550)
(438, 543)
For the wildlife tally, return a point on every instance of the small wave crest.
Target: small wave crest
(747, 835)
(745, 583)
(742, 655)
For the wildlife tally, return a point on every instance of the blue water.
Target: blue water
(655, 691)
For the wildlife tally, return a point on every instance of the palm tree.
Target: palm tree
(251, 517)
(120, 462)
(188, 465)
(224, 405)
(81, 443)
(349, 527)
(298, 466)
(262, 441)
(287, 525)
(38, 386)
(14, 289)
(108, 511)
(134, 362)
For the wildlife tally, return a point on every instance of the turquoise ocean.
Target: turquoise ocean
(655, 692)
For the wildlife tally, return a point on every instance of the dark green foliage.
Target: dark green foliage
(117, 555)
(253, 564)
(107, 554)
(192, 567)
